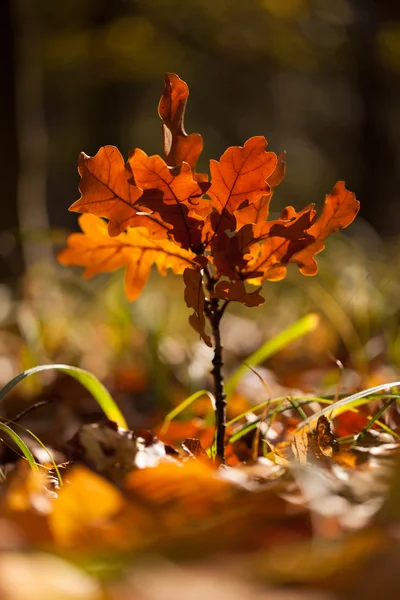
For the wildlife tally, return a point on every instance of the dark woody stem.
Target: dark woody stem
(214, 312)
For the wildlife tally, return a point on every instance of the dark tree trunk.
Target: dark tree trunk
(380, 177)
(11, 263)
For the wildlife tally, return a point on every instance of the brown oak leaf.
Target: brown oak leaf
(172, 195)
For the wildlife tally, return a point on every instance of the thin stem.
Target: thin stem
(214, 312)
(219, 393)
(27, 410)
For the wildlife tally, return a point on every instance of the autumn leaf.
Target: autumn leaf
(231, 252)
(195, 298)
(172, 195)
(240, 178)
(20, 506)
(306, 446)
(257, 213)
(262, 251)
(174, 218)
(191, 490)
(298, 237)
(195, 449)
(236, 292)
(340, 209)
(134, 250)
(107, 190)
(178, 145)
(77, 520)
(280, 241)
(326, 441)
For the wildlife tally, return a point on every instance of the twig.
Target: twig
(214, 313)
(27, 410)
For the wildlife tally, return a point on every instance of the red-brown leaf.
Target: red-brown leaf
(230, 252)
(340, 209)
(107, 190)
(173, 195)
(258, 211)
(240, 178)
(298, 237)
(236, 292)
(178, 145)
(195, 298)
(134, 250)
(281, 240)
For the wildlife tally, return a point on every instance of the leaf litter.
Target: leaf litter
(296, 503)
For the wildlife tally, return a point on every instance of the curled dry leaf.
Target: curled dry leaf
(326, 441)
(178, 145)
(306, 446)
(134, 250)
(195, 298)
(194, 448)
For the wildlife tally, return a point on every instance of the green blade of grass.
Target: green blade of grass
(351, 402)
(304, 402)
(21, 445)
(85, 378)
(183, 405)
(297, 407)
(375, 419)
(278, 410)
(51, 458)
(280, 341)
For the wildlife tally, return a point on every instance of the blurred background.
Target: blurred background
(319, 78)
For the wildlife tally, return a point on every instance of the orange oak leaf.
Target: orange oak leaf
(298, 237)
(231, 252)
(258, 211)
(236, 292)
(107, 190)
(178, 145)
(134, 250)
(172, 195)
(195, 298)
(261, 251)
(339, 211)
(239, 178)
(162, 212)
(281, 240)
(278, 174)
